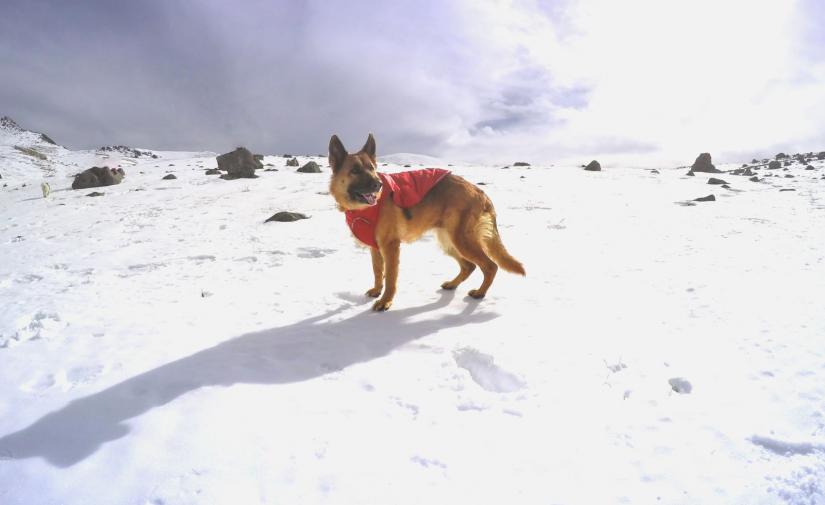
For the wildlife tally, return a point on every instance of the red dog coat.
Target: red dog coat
(406, 188)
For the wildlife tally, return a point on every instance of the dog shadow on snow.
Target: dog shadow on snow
(305, 350)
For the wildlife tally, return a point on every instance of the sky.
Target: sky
(636, 81)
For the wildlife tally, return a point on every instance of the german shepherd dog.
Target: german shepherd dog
(461, 215)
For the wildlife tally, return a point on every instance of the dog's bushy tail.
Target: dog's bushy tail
(493, 245)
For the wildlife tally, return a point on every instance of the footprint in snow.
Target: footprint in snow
(313, 252)
(485, 372)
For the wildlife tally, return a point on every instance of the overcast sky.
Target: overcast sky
(474, 79)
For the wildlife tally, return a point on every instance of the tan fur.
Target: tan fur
(461, 215)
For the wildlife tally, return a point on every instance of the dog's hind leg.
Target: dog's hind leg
(468, 244)
(467, 267)
(378, 273)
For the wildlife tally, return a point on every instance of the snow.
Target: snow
(162, 344)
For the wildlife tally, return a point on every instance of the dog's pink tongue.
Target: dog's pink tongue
(370, 197)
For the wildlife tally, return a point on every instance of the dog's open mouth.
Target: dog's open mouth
(367, 197)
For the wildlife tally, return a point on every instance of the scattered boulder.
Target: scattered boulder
(292, 163)
(786, 163)
(213, 171)
(786, 189)
(593, 166)
(703, 164)
(96, 177)
(270, 170)
(286, 217)
(287, 156)
(746, 171)
(821, 156)
(781, 156)
(714, 180)
(258, 157)
(95, 193)
(809, 167)
(788, 176)
(773, 165)
(310, 168)
(239, 163)
(690, 173)
(521, 164)
(169, 177)
(754, 160)
(709, 198)
(680, 385)
(754, 179)
(654, 171)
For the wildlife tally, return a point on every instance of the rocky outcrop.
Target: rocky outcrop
(703, 163)
(96, 177)
(310, 168)
(593, 166)
(239, 163)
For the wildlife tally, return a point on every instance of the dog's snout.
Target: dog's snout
(376, 185)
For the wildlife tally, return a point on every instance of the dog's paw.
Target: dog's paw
(477, 294)
(374, 292)
(449, 286)
(381, 305)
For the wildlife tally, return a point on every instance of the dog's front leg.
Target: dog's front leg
(378, 272)
(390, 251)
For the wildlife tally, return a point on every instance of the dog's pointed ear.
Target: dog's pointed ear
(337, 153)
(369, 147)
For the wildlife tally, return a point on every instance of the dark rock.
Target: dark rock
(408, 166)
(521, 164)
(821, 156)
(45, 138)
(690, 173)
(481, 183)
(239, 163)
(680, 385)
(746, 171)
(709, 198)
(714, 180)
(809, 167)
(169, 177)
(258, 157)
(213, 171)
(288, 156)
(286, 217)
(786, 189)
(754, 160)
(788, 176)
(703, 164)
(754, 179)
(654, 171)
(593, 166)
(95, 193)
(773, 165)
(725, 186)
(292, 163)
(270, 170)
(781, 156)
(310, 168)
(96, 177)
(125, 151)
(786, 163)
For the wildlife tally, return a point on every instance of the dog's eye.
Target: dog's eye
(355, 170)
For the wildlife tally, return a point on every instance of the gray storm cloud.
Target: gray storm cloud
(472, 80)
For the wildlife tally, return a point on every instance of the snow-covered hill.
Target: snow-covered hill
(162, 344)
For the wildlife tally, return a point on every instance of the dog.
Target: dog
(383, 210)
(44, 186)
